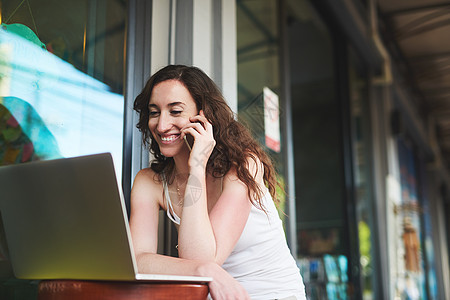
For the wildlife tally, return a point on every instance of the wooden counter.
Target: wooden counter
(120, 290)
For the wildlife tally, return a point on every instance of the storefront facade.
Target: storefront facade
(354, 151)
(364, 215)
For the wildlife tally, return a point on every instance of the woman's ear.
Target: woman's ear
(202, 113)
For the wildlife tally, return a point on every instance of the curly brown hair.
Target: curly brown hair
(234, 143)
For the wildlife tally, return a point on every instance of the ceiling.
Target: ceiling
(417, 33)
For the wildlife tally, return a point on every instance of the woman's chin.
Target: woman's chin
(170, 152)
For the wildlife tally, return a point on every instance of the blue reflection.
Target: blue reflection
(72, 113)
(24, 137)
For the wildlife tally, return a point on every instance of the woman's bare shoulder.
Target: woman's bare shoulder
(254, 167)
(147, 185)
(148, 176)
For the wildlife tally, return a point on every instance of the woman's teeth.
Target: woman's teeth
(168, 139)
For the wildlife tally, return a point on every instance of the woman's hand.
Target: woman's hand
(223, 286)
(202, 132)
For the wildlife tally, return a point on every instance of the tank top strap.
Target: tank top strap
(169, 208)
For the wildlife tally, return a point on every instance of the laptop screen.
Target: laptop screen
(66, 218)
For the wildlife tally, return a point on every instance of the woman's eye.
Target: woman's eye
(153, 113)
(176, 112)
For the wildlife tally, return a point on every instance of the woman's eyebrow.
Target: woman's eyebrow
(176, 103)
(150, 105)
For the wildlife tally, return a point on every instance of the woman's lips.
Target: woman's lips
(168, 139)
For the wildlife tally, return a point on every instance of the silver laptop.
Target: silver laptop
(66, 219)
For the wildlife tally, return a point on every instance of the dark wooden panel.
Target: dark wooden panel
(105, 290)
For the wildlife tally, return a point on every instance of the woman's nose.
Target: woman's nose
(164, 123)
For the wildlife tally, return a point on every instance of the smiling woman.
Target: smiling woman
(170, 108)
(219, 193)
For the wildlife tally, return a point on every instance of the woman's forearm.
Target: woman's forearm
(195, 236)
(152, 263)
(223, 286)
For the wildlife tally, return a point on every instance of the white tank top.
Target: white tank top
(261, 260)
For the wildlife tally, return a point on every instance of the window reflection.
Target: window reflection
(61, 79)
(61, 110)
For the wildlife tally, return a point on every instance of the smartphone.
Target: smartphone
(189, 140)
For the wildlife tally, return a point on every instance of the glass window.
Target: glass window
(362, 170)
(61, 79)
(320, 202)
(429, 255)
(61, 88)
(411, 275)
(258, 51)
